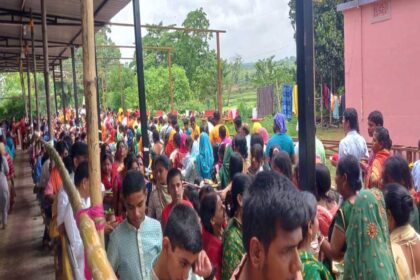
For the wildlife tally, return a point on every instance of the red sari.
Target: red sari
(214, 249)
(374, 173)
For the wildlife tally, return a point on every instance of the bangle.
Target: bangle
(212, 274)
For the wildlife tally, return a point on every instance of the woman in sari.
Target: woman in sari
(405, 241)
(368, 254)
(311, 267)
(205, 157)
(327, 207)
(224, 170)
(347, 179)
(396, 170)
(159, 197)
(381, 151)
(233, 248)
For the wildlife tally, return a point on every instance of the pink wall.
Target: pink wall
(382, 67)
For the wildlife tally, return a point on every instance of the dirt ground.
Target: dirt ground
(21, 253)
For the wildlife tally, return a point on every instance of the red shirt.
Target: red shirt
(214, 248)
(167, 210)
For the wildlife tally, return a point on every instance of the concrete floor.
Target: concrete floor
(21, 253)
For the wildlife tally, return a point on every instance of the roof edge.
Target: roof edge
(353, 4)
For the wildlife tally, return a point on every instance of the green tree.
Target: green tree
(328, 40)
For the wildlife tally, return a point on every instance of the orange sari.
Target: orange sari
(374, 173)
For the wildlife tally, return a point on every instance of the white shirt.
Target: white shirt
(76, 243)
(416, 175)
(62, 202)
(353, 144)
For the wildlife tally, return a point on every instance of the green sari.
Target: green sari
(233, 248)
(368, 254)
(224, 170)
(312, 269)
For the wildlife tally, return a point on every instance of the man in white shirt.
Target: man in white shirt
(81, 181)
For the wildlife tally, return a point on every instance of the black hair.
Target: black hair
(216, 116)
(237, 121)
(185, 121)
(207, 210)
(82, 172)
(222, 149)
(272, 149)
(396, 170)
(382, 135)
(173, 172)
(222, 131)
(376, 117)
(174, 120)
(257, 152)
(349, 165)
(271, 202)
(189, 142)
(322, 181)
(206, 189)
(192, 119)
(215, 149)
(163, 159)
(257, 139)
(177, 140)
(192, 194)
(155, 135)
(67, 139)
(128, 161)
(282, 162)
(132, 183)
(68, 163)
(236, 164)
(399, 201)
(240, 183)
(79, 149)
(204, 128)
(183, 229)
(106, 156)
(311, 207)
(350, 115)
(60, 147)
(239, 143)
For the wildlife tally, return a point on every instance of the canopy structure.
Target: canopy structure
(64, 24)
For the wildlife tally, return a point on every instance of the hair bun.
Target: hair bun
(407, 203)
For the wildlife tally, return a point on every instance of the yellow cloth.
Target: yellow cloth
(295, 100)
(195, 132)
(67, 272)
(256, 127)
(404, 236)
(214, 134)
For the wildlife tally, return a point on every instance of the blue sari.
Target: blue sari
(205, 157)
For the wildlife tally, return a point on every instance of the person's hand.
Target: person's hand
(109, 227)
(203, 265)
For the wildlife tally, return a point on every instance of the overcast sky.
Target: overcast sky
(255, 28)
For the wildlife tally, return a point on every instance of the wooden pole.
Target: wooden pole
(89, 82)
(55, 92)
(121, 86)
(140, 81)
(22, 84)
(219, 76)
(46, 68)
(34, 73)
(171, 85)
(322, 106)
(305, 81)
(63, 102)
(76, 101)
(29, 85)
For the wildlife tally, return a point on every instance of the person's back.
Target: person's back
(353, 143)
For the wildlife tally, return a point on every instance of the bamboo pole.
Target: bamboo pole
(22, 84)
(55, 92)
(89, 81)
(46, 68)
(76, 101)
(171, 85)
(34, 73)
(29, 86)
(96, 255)
(219, 76)
(63, 96)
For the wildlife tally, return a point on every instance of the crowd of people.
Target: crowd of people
(220, 204)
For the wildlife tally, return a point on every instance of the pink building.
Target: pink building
(382, 64)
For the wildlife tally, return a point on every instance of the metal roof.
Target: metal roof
(63, 27)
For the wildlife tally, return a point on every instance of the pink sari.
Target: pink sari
(325, 217)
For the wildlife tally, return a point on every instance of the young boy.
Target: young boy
(176, 191)
(182, 249)
(136, 231)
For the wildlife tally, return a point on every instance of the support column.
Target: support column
(89, 82)
(98, 99)
(22, 84)
(46, 68)
(28, 74)
(34, 73)
(171, 85)
(219, 77)
(140, 81)
(55, 92)
(76, 102)
(63, 102)
(305, 81)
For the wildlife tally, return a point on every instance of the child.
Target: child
(257, 159)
